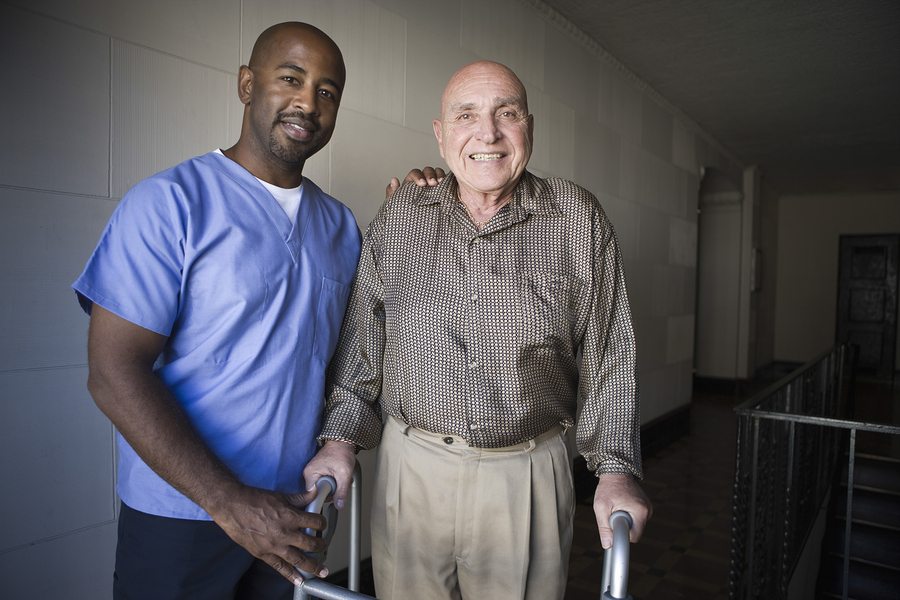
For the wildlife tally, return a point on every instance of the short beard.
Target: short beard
(290, 155)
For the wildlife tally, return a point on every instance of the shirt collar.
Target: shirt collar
(532, 195)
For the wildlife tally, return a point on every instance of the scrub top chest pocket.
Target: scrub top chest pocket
(329, 315)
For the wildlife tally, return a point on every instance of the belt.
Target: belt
(456, 441)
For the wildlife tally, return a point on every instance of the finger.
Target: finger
(416, 176)
(440, 174)
(430, 175)
(314, 521)
(302, 499)
(284, 569)
(305, 562)
(392, 187)
(342, 491)
(606, 534)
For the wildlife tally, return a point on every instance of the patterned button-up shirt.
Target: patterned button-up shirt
(490, 335)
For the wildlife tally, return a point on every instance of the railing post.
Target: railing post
(751, 517)
(848, 524)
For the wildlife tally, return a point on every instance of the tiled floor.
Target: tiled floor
(684, 550)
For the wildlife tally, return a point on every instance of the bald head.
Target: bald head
(484, 70)
(271, 42)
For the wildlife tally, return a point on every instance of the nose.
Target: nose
(306, 100)
(488, 132)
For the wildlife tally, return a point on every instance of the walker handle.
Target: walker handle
(325, 486)
(615, 559)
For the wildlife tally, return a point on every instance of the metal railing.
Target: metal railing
(790, 442)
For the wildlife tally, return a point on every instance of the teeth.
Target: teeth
(485, 156)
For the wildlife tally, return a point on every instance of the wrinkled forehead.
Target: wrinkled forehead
(483, 86)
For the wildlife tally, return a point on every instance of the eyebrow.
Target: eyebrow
(498, 102)
(302, 71)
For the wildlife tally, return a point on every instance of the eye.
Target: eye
(327, 94)
(464, 117)
(289, 79)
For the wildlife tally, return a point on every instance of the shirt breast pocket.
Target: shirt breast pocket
(549, 307)
(329, 316)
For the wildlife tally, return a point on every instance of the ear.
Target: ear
(438, 128)
(245, 84)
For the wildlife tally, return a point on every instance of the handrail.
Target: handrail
(793, 375)
(790, 440)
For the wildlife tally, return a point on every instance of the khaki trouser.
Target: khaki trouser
(450, 521)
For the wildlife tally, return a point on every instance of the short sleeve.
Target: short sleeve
(136, 269)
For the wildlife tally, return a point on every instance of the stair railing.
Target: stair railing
(789, 445)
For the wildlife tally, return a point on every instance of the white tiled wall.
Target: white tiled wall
(56, 105)
(110, 91)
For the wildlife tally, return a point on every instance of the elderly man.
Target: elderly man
(216, 296)
(482, 309)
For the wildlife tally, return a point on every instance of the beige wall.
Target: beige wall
(105, 92)
(809, 229)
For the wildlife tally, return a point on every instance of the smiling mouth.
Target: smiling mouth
(485, 156)
(298, 131)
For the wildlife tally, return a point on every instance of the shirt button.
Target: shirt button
(473, 365)
(448, 440)
(473, 297)
(473, 426)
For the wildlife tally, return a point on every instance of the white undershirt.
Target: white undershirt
(288, 198)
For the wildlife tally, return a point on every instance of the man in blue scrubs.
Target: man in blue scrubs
(216, 295)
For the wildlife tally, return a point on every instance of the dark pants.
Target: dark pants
(159, 558)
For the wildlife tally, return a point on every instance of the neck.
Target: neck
(278, 173)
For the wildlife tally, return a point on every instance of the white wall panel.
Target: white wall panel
(624, 218)
(653, 236)
(567, 73)
(433, 54)
(683, 149)
(361, 167)
(554, 135)
(597, 157)
(605, 109)
(656, 129)
(626, 108)
(75, 566)
(652, 343)
(203, 31)
(56, 108)
(630, 172)
(680, 338)
(57, 448)
(682, 242)
(51, 236)
(258, 15)
(506, 31)
(164, 111)
(373, 41)
(668, 291)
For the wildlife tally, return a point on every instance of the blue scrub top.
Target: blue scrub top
(252, 306)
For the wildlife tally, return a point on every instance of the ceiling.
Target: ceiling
(809, 90)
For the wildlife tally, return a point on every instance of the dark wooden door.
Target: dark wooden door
(867, 300)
